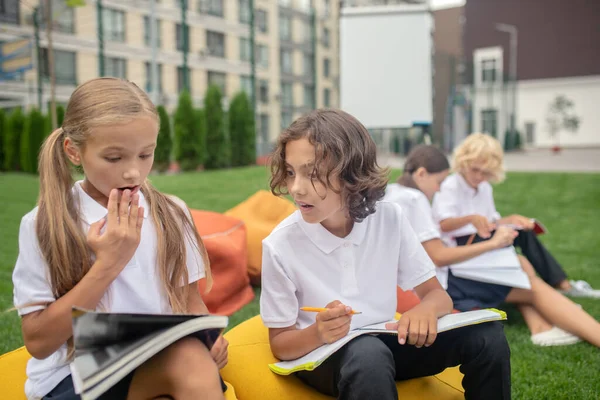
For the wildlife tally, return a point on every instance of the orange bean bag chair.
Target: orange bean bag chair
(261, 213)
(225, 240)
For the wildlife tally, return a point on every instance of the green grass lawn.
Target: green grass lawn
(568, 204)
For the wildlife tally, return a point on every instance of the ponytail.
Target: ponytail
(58, 227)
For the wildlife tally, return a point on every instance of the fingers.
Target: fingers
(421, 334)
(113, 208)
(403, 326)
(96, 227)
(140, 220)
(338, 333)
(432, 332)
(335, 312)
(333, 304)
(124, 206)
(133, 211)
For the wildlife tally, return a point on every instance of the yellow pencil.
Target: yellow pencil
(318, 309)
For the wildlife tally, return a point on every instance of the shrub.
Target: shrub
(164, 144)
(241, 131)
(216, 141)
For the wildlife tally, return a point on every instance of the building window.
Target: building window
(180, 81)
(147, 35)
(264, 127)
(488, 70)
(286, 119)
(285, 59)
(287, 95)
(309, 96)
(246, 85)
(327, 97)
(326, 39)
(263, 91)
(262, 56)
(285, 27)
(9, 13)
(179, 36)
(306, 31)
(326, 8)
(114, 25)
(215, 42)
(244, 49)
(489, 121)
(262, 21)
(63, 18)
(64, 67)
(219, 79)
(326, 66)
(308, 64)
(285, 3)
(148, 68)
(211, 7)
(304, 5)
(116, 67)
(244, 11)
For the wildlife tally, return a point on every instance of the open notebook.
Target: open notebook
(501, 267)
(316, 357)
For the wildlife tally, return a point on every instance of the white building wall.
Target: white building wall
(534, 98)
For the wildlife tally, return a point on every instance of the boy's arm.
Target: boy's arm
(331, 325)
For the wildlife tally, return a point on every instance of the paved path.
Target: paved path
(538, 160)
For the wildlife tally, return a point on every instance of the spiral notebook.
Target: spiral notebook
(448, 322)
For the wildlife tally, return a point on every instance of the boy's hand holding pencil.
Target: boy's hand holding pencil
(333, 323)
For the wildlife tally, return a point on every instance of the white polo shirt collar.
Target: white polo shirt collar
(328, 242)
(465, 185)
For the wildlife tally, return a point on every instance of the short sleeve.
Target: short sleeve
(278, 301)
(194, 261)
(445, 204)
(421, 220)
(30, 277)
(414, 265)
(493, 215)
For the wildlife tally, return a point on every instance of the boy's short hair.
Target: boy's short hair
(344, 147)
(484, 148)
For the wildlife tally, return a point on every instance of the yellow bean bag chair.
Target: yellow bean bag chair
(261, 213)
(12, 376)
(247, 370)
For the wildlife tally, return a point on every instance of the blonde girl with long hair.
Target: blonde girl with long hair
(111, 242)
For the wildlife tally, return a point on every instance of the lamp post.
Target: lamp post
(513, 34)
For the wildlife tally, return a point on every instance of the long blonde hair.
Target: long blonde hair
(101, 102)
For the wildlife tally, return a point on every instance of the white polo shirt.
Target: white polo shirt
(137, 289)
(457, 198)
(306, 265)
(418, 212)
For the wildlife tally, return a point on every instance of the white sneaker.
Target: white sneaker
(554, 337)
(581, 289)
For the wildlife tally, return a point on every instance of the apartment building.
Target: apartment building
(296, 52)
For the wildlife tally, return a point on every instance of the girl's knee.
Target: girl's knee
(190, 367)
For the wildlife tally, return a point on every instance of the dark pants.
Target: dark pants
(542, 261)
(369, 366)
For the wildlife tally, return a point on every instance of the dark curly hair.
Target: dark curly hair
(344, 148)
